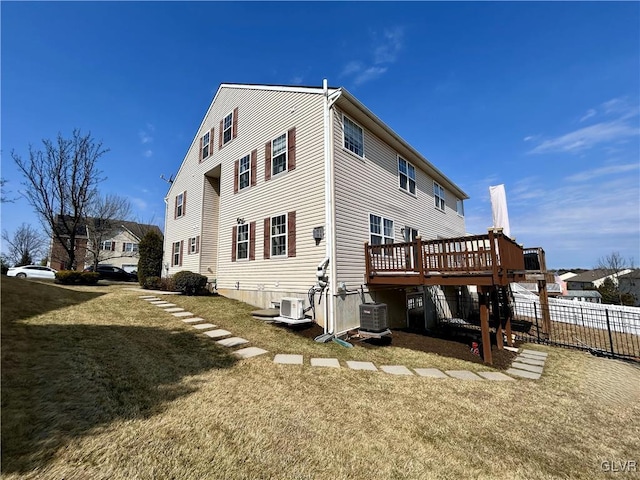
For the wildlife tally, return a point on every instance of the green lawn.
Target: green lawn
(99, 384)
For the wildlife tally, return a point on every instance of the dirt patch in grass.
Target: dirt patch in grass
(453, 347)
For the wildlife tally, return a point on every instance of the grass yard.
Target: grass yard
(97, 384)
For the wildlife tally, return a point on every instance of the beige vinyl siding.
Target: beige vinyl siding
(262, 115)
(209, 235)
(117, 257)
(371, 186)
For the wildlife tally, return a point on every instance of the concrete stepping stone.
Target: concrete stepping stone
(529, 361)
(325, 362)
(523, 373)
(430, 372)
(204, 326)
(535, 352)
(232, 341)
(174, 309)
(182, 314)
(152, 299)
(498, 376)
(215, 333)
(249, 352)
(396, 369)
(512, 349)
(193, 320)
(288, 359)
(164, 305)
(361, 365)
(146, 297)
(528, 368)
(462, 374)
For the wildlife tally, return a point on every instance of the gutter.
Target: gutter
(329, 206)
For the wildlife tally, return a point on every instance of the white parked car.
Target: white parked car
(32, 271)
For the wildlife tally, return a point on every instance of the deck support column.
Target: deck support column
(509, 314)
(497, 312)
(544, 306)
(483, 300)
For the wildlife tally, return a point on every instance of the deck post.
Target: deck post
(544, 306)
(507, 323)
(497, 312)
(419, 257)
(367, 259)
(494, 243)
(483, 300)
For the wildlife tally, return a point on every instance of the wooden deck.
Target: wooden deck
(484, 260)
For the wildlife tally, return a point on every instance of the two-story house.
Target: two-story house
(279, 180)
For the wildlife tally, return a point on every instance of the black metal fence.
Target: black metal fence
(607, 330)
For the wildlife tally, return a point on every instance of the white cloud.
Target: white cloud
(590, 113)
(385, 52)
(138, 203)
(148, 153)
(588, 137)
(146, 135)
(529, 138)
(603, 171)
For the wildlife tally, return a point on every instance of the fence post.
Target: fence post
(606, 312)
(535, 315)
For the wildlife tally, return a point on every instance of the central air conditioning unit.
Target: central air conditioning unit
(373, 317)
(292, 308)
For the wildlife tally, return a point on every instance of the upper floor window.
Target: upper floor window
(194, 245)
(380, 230)
(181, 200)
(242, 242)
(438, 195)
(279, 154)
(244, 168)
(206, 138)
(460, 207)
(129, 247)
(228, 128)
(278, 235)
(353, 137)
(107, 245)
(407, 175)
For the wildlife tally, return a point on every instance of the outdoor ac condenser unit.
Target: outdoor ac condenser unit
(373, 317)
(292, 308)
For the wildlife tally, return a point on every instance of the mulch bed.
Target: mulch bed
(455, 344)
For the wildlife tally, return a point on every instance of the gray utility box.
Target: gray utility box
(373, 317)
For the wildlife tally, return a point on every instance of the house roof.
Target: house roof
(583, 293)
(591, 275)
(349, 101)
(633, 274)
(138, 230)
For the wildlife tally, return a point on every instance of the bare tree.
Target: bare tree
(4, 198)
(61, 183)
(25, 245)
(614, 265)
(102, 222)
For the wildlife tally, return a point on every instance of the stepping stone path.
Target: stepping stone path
(528, 364)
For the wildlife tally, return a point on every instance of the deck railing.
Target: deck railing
(492, 253)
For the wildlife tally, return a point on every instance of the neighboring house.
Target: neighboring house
(280, 179)
(591, 296)
(592, 279)
(567, 275)
(630, 283)
(119, 246)
(553, 289)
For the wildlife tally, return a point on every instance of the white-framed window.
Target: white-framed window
(380, 230)
(242, 242)
(180, 205)
(130, 247)
(206, 138)
(176, 254)
(279, 154)
(353, 136)
(460, 207)
(227, 128)
(244, 172)
(107, 245)
(193, 245)
(279, 236)
(407, 176)
(438, 195)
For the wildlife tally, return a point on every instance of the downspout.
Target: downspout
(329, 211)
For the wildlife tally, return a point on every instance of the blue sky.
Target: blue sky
(543, 97)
